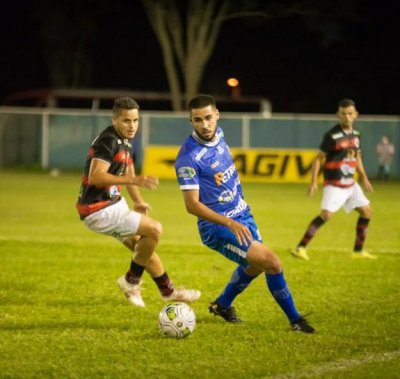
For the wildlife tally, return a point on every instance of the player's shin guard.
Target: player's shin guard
(238, 283)
(278, 287)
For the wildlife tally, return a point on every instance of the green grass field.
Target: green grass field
(63, 316)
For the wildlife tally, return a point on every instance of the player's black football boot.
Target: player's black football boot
(227, 313)
(302, 326)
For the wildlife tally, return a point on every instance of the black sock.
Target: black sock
(135, 273)
(361, 233)
(164, 284)
(311, 230)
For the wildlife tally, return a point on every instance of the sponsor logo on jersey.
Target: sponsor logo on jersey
(127, 143)
(226, 197)
(242, 205)
(348, 170)
(113, 191)
(223, 177)
(186, 173)
(337, 135)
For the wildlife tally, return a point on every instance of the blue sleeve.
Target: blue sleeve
(186, 173)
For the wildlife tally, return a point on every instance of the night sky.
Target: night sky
(297, 68)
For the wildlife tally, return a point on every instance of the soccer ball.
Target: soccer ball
(177, 320)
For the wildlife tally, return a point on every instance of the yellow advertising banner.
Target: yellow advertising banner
(257, 165)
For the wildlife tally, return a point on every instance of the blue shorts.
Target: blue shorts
(221, 239)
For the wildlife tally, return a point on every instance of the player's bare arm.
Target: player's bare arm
(139, 205)
(315, 169)
(99, 176)
(196, 208)
(363, 174)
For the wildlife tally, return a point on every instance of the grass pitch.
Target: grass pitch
(63, 316)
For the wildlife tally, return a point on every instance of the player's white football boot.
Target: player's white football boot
(132, 291)
(184, 295)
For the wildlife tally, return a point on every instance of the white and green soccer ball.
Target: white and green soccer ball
(177, 320)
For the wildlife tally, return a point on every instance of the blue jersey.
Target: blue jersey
(209, 168)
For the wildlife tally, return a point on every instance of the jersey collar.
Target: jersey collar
(206, 143)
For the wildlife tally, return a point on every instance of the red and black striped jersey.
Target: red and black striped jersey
(109, 147)
(341, 151)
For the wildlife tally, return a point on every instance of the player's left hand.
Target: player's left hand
(368, 185)
(241, 232)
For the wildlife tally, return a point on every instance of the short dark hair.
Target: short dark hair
(124, 103)
(202, 101)
(344, 103)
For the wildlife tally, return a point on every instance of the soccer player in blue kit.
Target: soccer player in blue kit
(212, 191)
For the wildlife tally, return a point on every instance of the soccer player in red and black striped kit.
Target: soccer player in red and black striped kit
(340, 157)
(101, 207)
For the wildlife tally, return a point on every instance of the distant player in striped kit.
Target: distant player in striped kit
(212, 191)
(340, 157)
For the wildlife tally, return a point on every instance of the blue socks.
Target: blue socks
(276, 284)
(280, 291)
(238, 283)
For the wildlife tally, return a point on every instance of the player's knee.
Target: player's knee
(326, 215)
(276, 266)
(271, 263)
(155, 231)
(366, 212)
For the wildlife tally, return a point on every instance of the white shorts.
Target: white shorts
(117, 220)
(349, 198)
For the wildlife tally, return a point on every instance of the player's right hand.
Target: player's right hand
(312, 189)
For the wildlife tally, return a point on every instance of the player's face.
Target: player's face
(126, 123)
(204, 121)
(347, 116)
